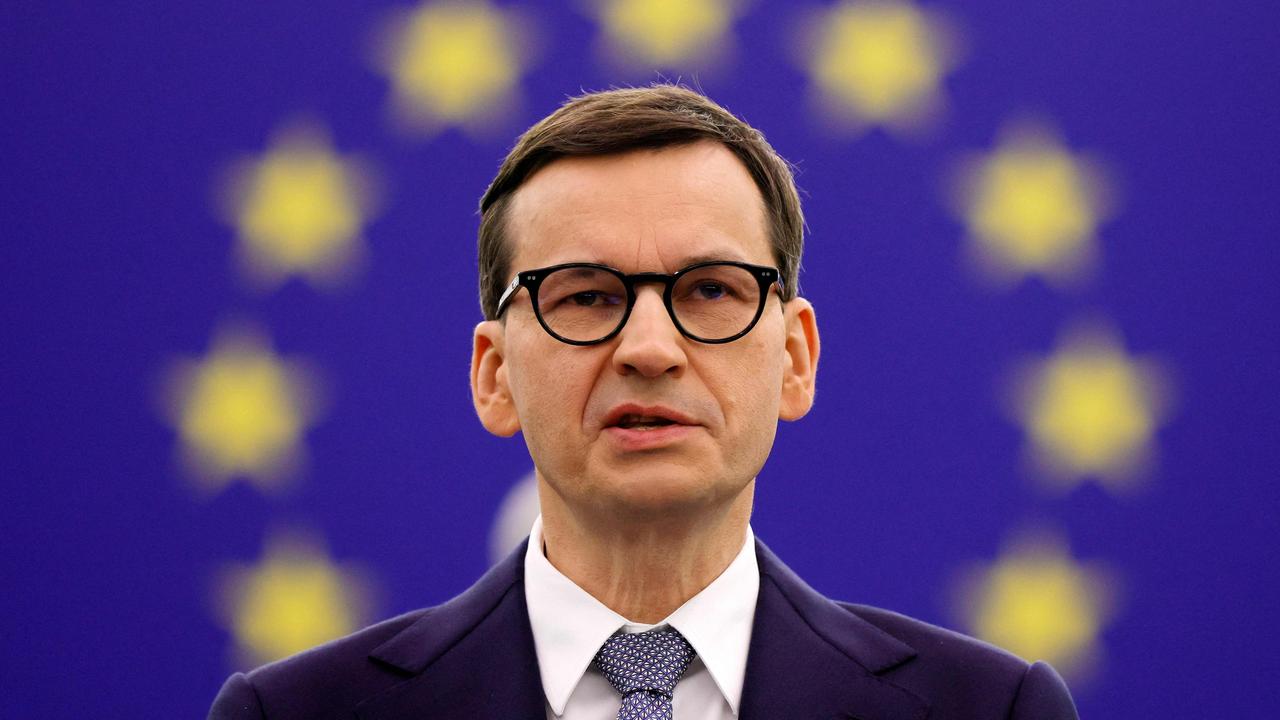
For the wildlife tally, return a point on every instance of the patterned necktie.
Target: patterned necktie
(644, 668)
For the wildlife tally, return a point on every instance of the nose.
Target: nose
(649, 344)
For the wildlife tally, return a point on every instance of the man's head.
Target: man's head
(650, 420)
(616, 121)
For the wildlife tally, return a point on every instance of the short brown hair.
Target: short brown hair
(616, 121)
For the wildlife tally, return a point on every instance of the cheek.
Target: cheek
(751, 388)
(550, 412)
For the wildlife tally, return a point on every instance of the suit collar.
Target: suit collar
(827, 659)
(471, 657)
(474, 656)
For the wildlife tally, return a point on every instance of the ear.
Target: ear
(489, 389)
(801, 368)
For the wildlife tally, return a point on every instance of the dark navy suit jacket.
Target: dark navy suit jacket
(473, 657)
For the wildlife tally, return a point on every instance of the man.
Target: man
(639, 251)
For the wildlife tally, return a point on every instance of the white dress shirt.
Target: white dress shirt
(569, 626)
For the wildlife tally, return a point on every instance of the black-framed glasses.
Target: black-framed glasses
(587, 303)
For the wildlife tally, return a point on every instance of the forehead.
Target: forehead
(641, 210)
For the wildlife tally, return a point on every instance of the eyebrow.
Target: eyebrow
(709, 257)
(715, 256)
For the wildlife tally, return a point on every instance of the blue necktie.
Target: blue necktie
(644, 668)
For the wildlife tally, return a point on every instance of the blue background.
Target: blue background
(116, 118)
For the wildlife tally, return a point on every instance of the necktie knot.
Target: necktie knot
(650, 661)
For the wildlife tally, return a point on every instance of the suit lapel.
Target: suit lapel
(811, 658)
(471, 657)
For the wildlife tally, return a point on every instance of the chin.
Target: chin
(659, 495)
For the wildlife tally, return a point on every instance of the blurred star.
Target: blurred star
(241, 412)
(1090, 410)
(665, 33)
(1038, 602)
(300, 209)
(514, 518)
(453, 62)
(292, 599)
(878, 62)
(1032, 208)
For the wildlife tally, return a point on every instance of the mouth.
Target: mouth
(644, 429)
(642, 422)
(644, 418)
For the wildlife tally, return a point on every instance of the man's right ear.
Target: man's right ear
(489, 388)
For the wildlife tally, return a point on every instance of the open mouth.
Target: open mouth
(643, 422)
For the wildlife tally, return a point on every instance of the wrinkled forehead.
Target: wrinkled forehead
(644, 210)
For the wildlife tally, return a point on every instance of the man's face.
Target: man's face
(643, 211)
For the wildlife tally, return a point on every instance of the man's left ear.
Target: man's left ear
(801, 367)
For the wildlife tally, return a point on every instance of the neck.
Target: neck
(643, 568)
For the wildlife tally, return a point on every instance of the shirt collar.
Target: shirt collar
(569, 625)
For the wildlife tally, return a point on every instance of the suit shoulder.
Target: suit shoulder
(356, 645)
(329, 678)
(939, 643)
(967, 678)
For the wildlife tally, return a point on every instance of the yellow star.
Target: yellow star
(878, 62)
(1090, 410)
(300, 209)
(665, 33)
(294, 598)
(1032, 208)
(241, 412)
(452, 62)
(1041, 604)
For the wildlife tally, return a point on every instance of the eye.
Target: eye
(591, 298)
(709, 290)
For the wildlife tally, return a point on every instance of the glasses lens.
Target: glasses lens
(582, 304)
(715, 302)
